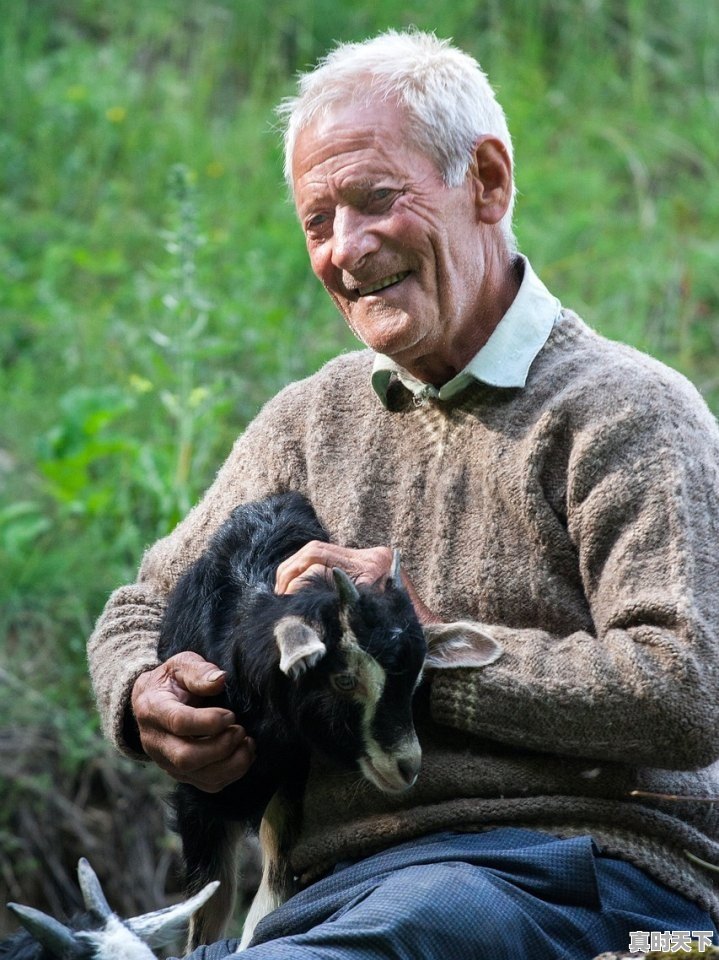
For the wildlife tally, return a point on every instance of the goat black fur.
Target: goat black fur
(226, 610)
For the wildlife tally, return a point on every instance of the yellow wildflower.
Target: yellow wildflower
(116, 114)
(140, 384)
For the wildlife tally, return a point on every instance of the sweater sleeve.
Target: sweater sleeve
(264, 460)
(642, 517)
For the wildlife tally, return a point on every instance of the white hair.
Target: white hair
(446, 95)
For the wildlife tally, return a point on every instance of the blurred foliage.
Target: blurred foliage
(154, 289)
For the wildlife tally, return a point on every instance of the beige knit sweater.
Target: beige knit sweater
(577, 520)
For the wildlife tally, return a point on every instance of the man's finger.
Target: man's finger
(194, 674)
(301, 581)
(313, 554)
(185, 757)
(208, 765)
(185, 721)
(215, 776)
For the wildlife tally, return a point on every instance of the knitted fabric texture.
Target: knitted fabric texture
(576, 520)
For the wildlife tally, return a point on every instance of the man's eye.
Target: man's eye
(382, 193)
(317, 223)
(344, 682)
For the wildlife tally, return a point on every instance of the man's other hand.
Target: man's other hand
(370, 565)
(317, 558)
(200, 745)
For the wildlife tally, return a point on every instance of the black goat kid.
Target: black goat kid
(332, 668)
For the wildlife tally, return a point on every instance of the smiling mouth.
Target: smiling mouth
(382, 284)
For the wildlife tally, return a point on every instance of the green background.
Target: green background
(147, 312)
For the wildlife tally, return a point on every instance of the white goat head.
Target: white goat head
(100, 934)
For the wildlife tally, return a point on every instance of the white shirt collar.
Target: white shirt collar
(505, 358)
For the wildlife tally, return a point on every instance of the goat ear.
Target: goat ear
(164, 925)
(299, 645)
(459, 644)
(57, 939)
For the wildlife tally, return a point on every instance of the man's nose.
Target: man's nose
(352, 239)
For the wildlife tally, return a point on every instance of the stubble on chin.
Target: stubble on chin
(384, 329)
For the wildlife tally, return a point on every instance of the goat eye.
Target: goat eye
(344, 682)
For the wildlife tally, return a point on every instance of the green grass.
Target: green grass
(120, 406)
(123, 384)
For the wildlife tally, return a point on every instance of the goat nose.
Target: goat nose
(409, 769)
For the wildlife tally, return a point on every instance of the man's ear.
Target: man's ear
(299, 645)
(491, 173)
(460, 644)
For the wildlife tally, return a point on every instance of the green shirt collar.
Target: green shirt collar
(505, 358)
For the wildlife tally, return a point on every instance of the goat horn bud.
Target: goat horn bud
(48, 932)
(349, 594)
(394, 574)
(95, 900)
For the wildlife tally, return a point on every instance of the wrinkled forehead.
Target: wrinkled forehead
(378, 131)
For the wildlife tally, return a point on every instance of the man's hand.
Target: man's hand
(363, 566)
(370, 565)
(200, 745)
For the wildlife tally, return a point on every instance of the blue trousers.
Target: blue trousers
(506, 894)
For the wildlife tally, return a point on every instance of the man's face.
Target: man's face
(398, 251)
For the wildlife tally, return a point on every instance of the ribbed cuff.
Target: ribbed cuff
(453, 699)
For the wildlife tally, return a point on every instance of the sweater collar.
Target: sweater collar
(505, 358)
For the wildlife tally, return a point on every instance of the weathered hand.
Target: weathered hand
(363, 566)
(200, 745)
(369, 565)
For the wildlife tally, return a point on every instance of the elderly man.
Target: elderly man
(560, 490)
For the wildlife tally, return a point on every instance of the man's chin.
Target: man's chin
(392, 336)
